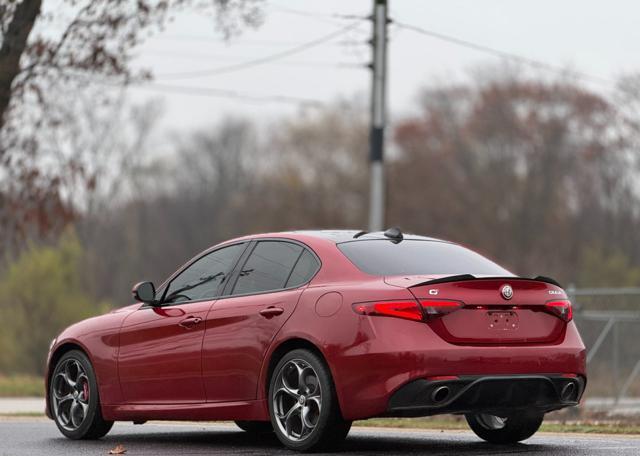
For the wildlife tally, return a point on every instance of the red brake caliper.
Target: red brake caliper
(85, 390)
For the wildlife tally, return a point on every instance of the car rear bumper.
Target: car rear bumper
(391, 353)
(486, 394)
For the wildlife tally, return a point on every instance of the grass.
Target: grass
(454, 423)
(21, 386)
(23, 415)
(441, 423)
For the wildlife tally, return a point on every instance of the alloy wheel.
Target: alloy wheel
(297, 399)
(70, 392)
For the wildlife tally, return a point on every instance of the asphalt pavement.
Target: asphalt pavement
(41, 437)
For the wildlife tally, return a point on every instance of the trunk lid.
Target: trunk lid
(494, 310)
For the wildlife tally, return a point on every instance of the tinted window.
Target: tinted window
(202, 279)
(268, 267)
(304, 269)
(381, 257)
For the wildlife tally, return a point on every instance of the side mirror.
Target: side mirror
(144, 292)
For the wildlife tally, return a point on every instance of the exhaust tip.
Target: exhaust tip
(568, 392)
(440, 394)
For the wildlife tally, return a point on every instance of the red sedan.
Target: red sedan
(301, 333)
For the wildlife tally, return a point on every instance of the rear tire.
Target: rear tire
(303, 404)
(510, 429)
(74, 398)
(255, 427)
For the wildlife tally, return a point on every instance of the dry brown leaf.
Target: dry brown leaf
(119, 449)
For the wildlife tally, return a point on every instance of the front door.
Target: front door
(160, 356)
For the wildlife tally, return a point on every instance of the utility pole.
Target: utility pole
(378, 115)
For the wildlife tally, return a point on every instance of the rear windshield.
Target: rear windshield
(414, 257)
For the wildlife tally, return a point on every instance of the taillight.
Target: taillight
(561, 309)
(400, 309)
(435, 308)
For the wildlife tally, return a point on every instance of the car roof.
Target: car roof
(339, 236)
(331, 236)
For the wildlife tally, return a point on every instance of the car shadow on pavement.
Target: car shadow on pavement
(435, 445)
(177, 443)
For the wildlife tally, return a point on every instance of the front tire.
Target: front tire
(505, 430)
(74, 399)
(303, 404)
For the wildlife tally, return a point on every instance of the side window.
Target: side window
(304, 269)
(202, 279)
(268, 267)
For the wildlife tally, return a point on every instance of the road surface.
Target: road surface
(39, 436)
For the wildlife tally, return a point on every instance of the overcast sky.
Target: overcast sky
(596, 37)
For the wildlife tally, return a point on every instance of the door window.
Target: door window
(268, 267)
(202, 279)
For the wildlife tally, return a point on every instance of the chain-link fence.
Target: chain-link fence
(609, 322)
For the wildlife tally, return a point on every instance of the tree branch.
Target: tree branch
(13, 45)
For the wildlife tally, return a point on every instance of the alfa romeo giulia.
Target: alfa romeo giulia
(301, 333)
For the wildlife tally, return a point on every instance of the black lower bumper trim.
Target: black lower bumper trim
(487, 394)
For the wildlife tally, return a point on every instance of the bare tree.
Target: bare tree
(97, 38)
(228, 180)
(51, 55)
(513, 164)
(317, 174)
(198, 196)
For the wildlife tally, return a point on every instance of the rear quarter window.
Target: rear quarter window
(304, 269)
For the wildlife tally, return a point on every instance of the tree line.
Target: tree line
(538, 174)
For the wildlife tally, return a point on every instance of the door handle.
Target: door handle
(190, 322)
(271, 311)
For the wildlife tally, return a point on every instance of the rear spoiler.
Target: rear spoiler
(465, 277)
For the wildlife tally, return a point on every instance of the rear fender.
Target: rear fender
(324, 317)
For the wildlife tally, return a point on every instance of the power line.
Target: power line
(262, 60)
(503, 54)
(194, 91)
(227, 58)
(224, 93)
(304, 13)
(229, 42)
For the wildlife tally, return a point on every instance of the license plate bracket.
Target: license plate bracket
(502, 320)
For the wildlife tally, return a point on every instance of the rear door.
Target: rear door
(160, 356)
(242, 324)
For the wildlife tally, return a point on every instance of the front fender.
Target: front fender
(98, 338)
